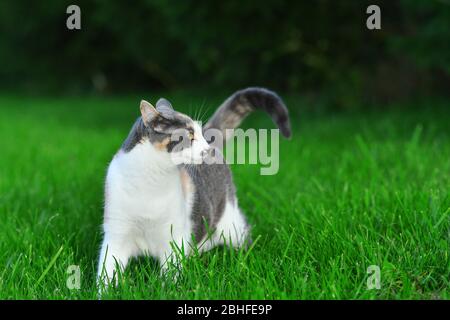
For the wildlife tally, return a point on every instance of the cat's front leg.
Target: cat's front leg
(171, 259)
(114, 256)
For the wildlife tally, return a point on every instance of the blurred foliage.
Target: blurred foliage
(426, 36)
(321, 47)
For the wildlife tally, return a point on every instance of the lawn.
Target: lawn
(354, 189)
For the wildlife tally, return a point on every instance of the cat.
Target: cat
(153, 205)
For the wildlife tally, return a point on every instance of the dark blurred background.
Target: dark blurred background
(319, 49)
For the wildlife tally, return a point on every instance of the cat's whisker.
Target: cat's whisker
(203, 116)
(205, 112)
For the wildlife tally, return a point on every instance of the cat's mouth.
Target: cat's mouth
(186, 157)
(202, 157)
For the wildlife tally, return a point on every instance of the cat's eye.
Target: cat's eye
(191, 136)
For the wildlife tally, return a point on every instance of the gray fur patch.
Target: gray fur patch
(136, 135)
(214, 187)
(158, 131)
(240, 104)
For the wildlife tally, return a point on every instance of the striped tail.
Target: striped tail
(240, 104)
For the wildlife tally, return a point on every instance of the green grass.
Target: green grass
(353, 190)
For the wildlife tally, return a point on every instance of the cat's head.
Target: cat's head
(174, 133)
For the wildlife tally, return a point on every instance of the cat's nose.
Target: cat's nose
(205, 153)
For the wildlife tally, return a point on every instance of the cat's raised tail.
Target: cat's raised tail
(241, 103)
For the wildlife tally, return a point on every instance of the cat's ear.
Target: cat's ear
(164, 108)
(148, 111)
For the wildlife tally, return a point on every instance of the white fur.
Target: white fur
(192, 155)
(230, 230)
(146, 208)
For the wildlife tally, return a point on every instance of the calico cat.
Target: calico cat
(152, 202)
